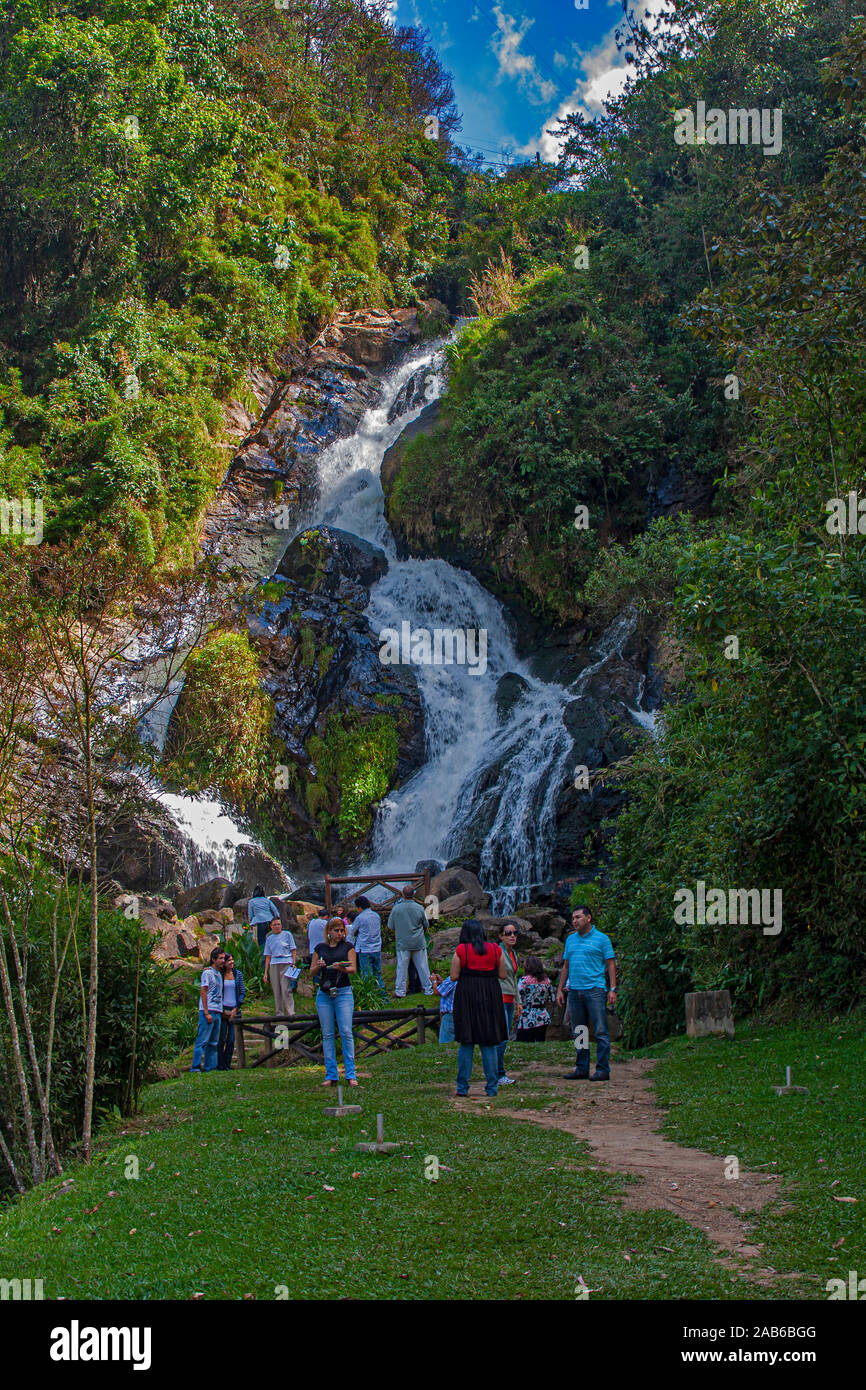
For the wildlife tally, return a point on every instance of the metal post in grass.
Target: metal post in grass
(339, 1110)
(379, 1147)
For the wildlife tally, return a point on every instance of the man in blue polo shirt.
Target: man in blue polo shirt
(587, 955)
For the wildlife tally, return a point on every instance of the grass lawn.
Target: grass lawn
(245, 1186)
(721, 1098)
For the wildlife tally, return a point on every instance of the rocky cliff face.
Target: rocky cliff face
(321, 665)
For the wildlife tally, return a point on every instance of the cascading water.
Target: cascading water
(490, 780)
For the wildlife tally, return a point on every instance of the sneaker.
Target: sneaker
(600, 1076)
(577, 1076)
(506, 1081)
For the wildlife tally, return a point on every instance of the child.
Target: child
(280, 953)
(445, 989)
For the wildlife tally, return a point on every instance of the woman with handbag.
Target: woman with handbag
(332, 966)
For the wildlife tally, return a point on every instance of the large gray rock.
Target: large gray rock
(254, 865)
(458, 882)
(543, 920)
(444, 943)
(460, 902)
(335, 563)
(217, 892)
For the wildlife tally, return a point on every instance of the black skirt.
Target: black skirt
(479, 1015)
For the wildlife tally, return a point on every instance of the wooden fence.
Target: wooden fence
(387, 881)
(376, 1030)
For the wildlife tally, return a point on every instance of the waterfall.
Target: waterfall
(489, 783)
(211, 835)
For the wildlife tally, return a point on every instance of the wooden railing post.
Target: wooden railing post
(422, 1023)
(239, 1038)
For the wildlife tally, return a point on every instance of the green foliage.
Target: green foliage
(355, 762)
(134, 994)
(220, 734)
(566, 401)
(184, 190)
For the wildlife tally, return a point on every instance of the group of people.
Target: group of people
(481, 1001)
(485, 997)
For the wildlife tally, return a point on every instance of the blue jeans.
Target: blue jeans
(446, 1028)
(465, 1054)
(370, 963)
(500, 1051)
(206, 1041)
(587, 1006)
(337, 1012)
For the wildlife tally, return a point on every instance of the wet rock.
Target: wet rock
(333, 562)
(470, 861)
(254, 865)
(509, 690)
(373, 337)
(412, 394)
(432, 866)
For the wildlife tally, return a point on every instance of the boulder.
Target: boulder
(528, 941)
(305, 912)
(334, 564)
(444, 944)
(510, 689)
(543, 920)
(212, 894)
(175, 941)
(254, 865)
(206, 944)
(459, 902)
(469, 859)
(312, 892)
(432, 866)
(458, 881)
(192, 925)
(216, 916)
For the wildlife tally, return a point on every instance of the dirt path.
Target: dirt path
(619, 1120)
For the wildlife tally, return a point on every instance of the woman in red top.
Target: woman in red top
(479, 1019)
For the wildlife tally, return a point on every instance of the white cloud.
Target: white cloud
(513, 63)
(475, 15)
(560, 60)
(605, 73)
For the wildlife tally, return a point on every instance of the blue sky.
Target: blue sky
(518, 64)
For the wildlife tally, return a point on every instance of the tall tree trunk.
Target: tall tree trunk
(18, 1064)
(47, 1145)
(93, 986)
